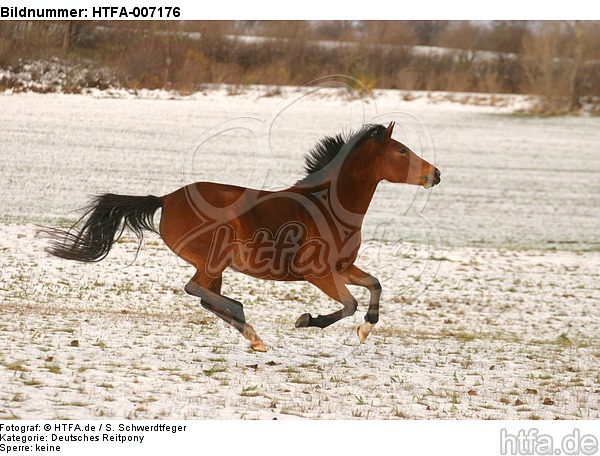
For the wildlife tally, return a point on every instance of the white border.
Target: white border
(352, 9)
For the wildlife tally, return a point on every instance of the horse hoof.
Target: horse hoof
(258, 346)
(303, 320)
(363, 331)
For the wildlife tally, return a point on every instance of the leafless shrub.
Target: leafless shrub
(556, 66)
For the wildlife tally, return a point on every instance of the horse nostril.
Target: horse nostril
(437, 173)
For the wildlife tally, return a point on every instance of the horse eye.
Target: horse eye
(403, 150)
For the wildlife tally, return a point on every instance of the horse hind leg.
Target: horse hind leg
(208, 289)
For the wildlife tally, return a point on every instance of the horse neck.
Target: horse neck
(352, 188)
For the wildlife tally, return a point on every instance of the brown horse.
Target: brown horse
(310, 231)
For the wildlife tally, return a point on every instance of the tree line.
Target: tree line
(556, 60)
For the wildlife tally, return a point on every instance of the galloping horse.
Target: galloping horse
(310, 231)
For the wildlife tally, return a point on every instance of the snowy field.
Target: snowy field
(490, 306)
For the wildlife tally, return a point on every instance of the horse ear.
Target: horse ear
(389, 129)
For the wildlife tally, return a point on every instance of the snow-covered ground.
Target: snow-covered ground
(507, 181)
(491, 301)
(497, 334)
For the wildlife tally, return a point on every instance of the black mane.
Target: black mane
(328, 148)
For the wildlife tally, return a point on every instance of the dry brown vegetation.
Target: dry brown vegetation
(559, 61)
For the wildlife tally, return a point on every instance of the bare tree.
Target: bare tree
(554, 65)
(390, 32)
(541, 65)
(576, 67)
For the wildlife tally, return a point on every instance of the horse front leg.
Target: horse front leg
(356, 276)
(335, 288)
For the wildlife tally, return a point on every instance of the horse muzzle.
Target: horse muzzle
(429, 180)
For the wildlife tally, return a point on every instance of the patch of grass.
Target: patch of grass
(16, 366)
(400, 414)
(218, 359)
(289, 411)
(464, 336)
(19, 397)
(530, 115)
(185, 377)
(77, 404)
(431, 392)
(99, 343)
(302, 380)
(441, 258)
(564, 340)
(53, 367)
(250, 391)
(290, 370)
(214, 370)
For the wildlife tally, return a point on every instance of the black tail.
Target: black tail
(105, 219)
